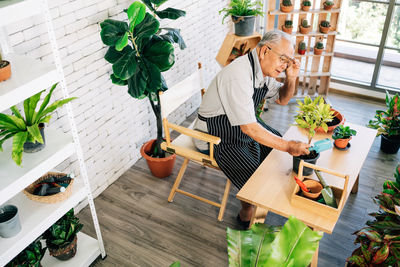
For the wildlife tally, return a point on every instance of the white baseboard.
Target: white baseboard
(356, 90)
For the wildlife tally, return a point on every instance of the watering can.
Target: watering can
(327, 193)
(322, 145)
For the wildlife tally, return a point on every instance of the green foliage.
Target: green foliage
(175, 264)
(313, 114)
(30, 256)
(287, 3)
(63, 232)
(325, 23)
(27, 129)
(319, 45)
(168, 13)
(343, 132)
(329, 3)
(304, 23)
(288, 24)
(242, 8)
(306, 3)
(293, 244)
(388, 122)
(302, 45)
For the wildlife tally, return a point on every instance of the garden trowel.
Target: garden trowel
(327, 193)
(322, 145)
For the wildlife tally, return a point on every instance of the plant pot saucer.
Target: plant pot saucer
(343, 149)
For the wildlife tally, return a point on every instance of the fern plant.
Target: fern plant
(242, 8)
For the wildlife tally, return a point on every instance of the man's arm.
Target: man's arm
(287, 90)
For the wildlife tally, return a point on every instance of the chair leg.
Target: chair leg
(178, 180)
(224, 200)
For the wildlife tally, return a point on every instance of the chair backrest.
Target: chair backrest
(178, 94)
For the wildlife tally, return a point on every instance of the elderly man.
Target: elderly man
(228, 110)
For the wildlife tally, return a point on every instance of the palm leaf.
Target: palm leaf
(18, 146)
(54, 106)
(15, 110)
(44, 103)
(11, 122)
(30, 107)
(239, 247)
(35, 133)
(45, 119)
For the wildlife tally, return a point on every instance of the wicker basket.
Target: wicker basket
(49, 199)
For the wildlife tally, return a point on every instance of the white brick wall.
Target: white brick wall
(112, 126)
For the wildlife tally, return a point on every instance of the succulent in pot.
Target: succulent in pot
(30, 256)
(318, 48)
(328, 5)
(286, 6)
(306, 5)
(305, 28)
(288, 26)
(302, 48)
(5, 69)
(342, 135)
(324, 26)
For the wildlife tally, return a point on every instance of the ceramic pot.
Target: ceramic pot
(159, 167)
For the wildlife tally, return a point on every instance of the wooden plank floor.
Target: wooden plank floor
(140, 228)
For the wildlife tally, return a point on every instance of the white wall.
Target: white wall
(112, 125)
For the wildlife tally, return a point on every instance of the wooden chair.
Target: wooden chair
(183, 145)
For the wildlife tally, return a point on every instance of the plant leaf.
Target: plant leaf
(381, 254)
(18, 146)
(45, 102)
(113, 55)
(170, 13)
(357, 260)
(158, 2)
(4, 138)
(173, 36)
(122, 43)
(112, 31)
(146, 28)
(126, 66)
(35, 133)
(118, 81)
(136, 13)
(12, 122)
(15, 110)
(137, 84)
(161, 53)
(54, 106)
(149, 5)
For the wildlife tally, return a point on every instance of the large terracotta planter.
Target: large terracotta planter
(159, 167)
(5, 72)
(339, 119)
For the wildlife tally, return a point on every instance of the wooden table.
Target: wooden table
(271, 185)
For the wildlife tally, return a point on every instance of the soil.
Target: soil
(3, 64)
(312, 155)
(335, 121)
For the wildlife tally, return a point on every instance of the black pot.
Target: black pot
(244, 25)
(30, 147)
(306, 171)
(63, 253)
(390, 144)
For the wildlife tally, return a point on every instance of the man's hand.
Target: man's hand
(297, 148)
(293, 69)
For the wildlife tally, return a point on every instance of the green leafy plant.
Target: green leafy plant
(304, 23)
(27, 129)
(329, 3)
(63, 232)
(288, 24)
(380, 240)
(312, 115)
(242, 8)
(30, 256)
(287, 3)
(293, 244)
(319, 45)
(140, 51)
(306, 3)
(325, 23)
(343, 132)
(238, 52)
(388, 122)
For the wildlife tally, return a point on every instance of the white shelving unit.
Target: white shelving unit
(28, 77)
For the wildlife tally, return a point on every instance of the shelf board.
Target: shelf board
(28, 77)
(87, 251)
(299, 11)
(13, 178)
(314, 33)
(313, 55)
(36, 218)
(15, 10)
(308, 74)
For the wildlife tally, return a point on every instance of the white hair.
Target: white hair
(275, 36)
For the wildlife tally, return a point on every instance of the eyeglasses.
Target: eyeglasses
(283, 58)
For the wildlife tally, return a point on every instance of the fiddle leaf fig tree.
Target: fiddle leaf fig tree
(139, 50)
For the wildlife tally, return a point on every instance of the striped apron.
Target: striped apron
(238, 155)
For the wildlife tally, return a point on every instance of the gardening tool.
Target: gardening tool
(327, 193)
(301, 184)
(322, 145)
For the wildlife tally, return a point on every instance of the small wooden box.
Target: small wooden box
(314, 206)
(235, 46)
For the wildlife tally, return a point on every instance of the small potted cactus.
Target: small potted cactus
(302, 48)
(318, 48)
(288, 26)
(306, 5)
(325, 26)
(286, 6)
(5, 69)
(328, 4)
(305, 28)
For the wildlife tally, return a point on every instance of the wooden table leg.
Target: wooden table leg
(314, 261)
(354, 190)
(258, 216)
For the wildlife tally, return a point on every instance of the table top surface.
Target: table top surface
(272, 184)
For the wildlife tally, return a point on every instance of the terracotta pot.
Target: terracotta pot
(5, 72)
(324, 29)
(318, 51)
(342, 143)
(63, 253)
(286, 9)
(313, 187)
(340, 119)
(326, 7)
(305, 30)
(305, 8)
(287, 30)
(159, 167)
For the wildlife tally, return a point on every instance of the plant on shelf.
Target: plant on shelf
(388, 124)
(318, 48)
(380, 239)
(286, 6)
(324, 26)
(288, 26)
(342, 135)
(30, 256)
(302, 48)
(306, 5)
(5, 69)
(139, 52)
(267, 245)
(28, 131)
(61, 237)
(328, 5)
(305, 28)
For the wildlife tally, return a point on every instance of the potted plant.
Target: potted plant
(305, 27)
(30, 256)
(380, 239)
(388, 124)
(5, 69)
(273, 244)
(311, 115)
(288, 26)
(318, 48)
(342, 135)
(324, 26)
(302, 48)
(61, 238)
(286, 6)
(139, 52)
(328, 5)
(243, 14)
(306, 5)
(28, 131)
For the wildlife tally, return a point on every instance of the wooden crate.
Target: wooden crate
(314, 206)
(235, 46)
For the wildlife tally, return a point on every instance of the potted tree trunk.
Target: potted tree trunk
(342, 135)
(318, 48)
(286, 6)
(5, 69)
(302, 48)
(139, 51)
(30, 256)
(305, 28)
(328, 5)
(388, 124)
(310, 116)
(306, 5)
(324, 26)
(288, 26)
